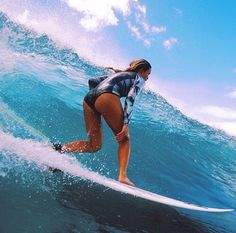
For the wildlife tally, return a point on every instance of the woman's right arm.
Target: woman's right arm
(123, 134)
(129, 101)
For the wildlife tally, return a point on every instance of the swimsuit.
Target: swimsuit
(122, 84)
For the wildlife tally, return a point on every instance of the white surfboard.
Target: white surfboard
(137, 192)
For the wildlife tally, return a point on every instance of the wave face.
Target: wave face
(42, 86)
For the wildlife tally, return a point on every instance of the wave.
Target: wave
(42, 86)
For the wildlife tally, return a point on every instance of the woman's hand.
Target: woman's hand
(113, 69)
(123, 134)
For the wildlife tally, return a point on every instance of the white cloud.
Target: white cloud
(229, 127)
(214, 116)
(232, 94)
(142, 9)
(152, 29)
(147, 43)
(135, 30)
(146, 26)
(95, 15)
(24, 18)
(169, 43)
(156, 29)
(219, 112)
(140, 27)
(99, 14)
(140, 15)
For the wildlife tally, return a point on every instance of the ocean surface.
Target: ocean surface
(42, 86)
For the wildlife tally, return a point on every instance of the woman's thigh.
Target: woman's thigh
(93, 125)
(109, 106)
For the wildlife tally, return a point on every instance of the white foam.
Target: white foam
(40, 153)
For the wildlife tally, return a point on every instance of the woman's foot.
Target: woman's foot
(57, 147)
(54, 170)
(125, 180)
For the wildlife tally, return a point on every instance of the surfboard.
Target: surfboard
(137, 192)
(108, 183)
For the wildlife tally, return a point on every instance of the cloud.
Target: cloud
(137, 33)
(228, 126)
(156, 29)
(24, 18)
(135, 30)
(169, 43)
(141, 20)
(232, 94)
(140, 27)
(219, 112)
(215, 116)
(99, 14)
(96, 15)
(147, 42)
(142, 9)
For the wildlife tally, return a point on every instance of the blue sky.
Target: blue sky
(190, 43)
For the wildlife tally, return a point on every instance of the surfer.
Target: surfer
(103, 99)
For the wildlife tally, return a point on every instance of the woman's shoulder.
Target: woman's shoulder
(125, 74)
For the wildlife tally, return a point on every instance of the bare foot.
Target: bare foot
(53, 170)
(125, 180)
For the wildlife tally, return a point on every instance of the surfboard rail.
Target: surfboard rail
(137, 192)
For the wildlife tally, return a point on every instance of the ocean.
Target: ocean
(42, 86)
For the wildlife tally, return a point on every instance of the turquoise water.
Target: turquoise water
(42, 86)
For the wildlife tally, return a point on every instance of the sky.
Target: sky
(190, 44)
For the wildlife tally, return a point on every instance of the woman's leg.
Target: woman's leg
(94, 131)
(110, 107)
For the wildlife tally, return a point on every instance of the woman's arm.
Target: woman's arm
(129, 101)
(113, 69)
(128, 108)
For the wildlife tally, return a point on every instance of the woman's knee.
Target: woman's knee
(94, 147)
(125, 140)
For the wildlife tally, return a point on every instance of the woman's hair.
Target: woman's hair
(135, 66)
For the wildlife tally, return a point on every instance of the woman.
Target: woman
(103, 99)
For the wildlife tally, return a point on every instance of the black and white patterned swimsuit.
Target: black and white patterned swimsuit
(122, 84)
